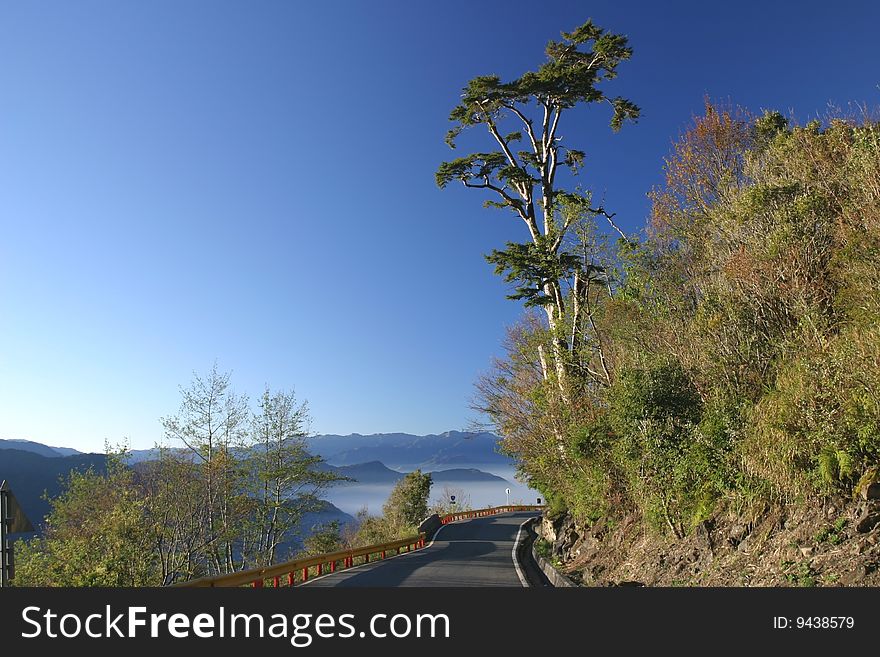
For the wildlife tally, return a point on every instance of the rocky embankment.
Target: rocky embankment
(833, 542)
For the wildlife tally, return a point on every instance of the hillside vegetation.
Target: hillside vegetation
(739, 341)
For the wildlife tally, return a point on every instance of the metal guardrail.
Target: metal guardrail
(298, 571)
(479, 513)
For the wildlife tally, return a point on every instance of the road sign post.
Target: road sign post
(12, 521)
(5, 551)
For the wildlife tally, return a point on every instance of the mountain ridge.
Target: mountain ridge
(398, 451)
(410, 451)
(37, 448)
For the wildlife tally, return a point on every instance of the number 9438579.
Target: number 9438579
(824, 622)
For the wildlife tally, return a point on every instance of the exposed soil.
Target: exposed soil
(833, 542)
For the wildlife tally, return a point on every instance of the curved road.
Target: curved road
(477, 552)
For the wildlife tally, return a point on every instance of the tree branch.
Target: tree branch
(610, 217)
(527, 217)
(513, 202)
(528, 124)
(552, 158)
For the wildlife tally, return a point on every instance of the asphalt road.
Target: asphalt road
(477, 552)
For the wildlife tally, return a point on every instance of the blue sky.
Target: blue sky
(252, 183)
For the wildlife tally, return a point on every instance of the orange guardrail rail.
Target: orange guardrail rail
(298, 571)
(290, 573)
(479, 513)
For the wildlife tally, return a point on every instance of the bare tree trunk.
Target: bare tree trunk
(558, 353)
(543, 358)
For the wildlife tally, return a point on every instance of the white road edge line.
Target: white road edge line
(519, 572)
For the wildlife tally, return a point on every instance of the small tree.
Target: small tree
(443, 504)
(407, 504)
(212, 424)
(284, 479)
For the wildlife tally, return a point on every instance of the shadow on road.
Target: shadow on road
(470, 553)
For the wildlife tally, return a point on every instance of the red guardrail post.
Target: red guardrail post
(305, 573)
(258, 583)
(291, 580)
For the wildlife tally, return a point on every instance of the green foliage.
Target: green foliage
(282, 477)
(669, 462)
(526, 180)
(95, 536)
(323, 540)
(735, 354)
(403, 512)
(533, 267)
(407, 505)
(800, 574)
(230, 503)
(543, 548)
(835, 465)
(372, 530)
(833, 533)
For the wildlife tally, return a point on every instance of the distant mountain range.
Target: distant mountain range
(453, 457)
(404, 451)
(34, 474)
(398, 451)
(37, 448)
(376, 472)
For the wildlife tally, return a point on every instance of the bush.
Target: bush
(95, 536)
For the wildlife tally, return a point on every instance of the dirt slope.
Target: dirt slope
(833, 542)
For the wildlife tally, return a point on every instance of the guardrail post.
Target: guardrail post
(383, 554)
(258, 583)
(333, 566)
(291, 580)
(305, 573)
(320, 569)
